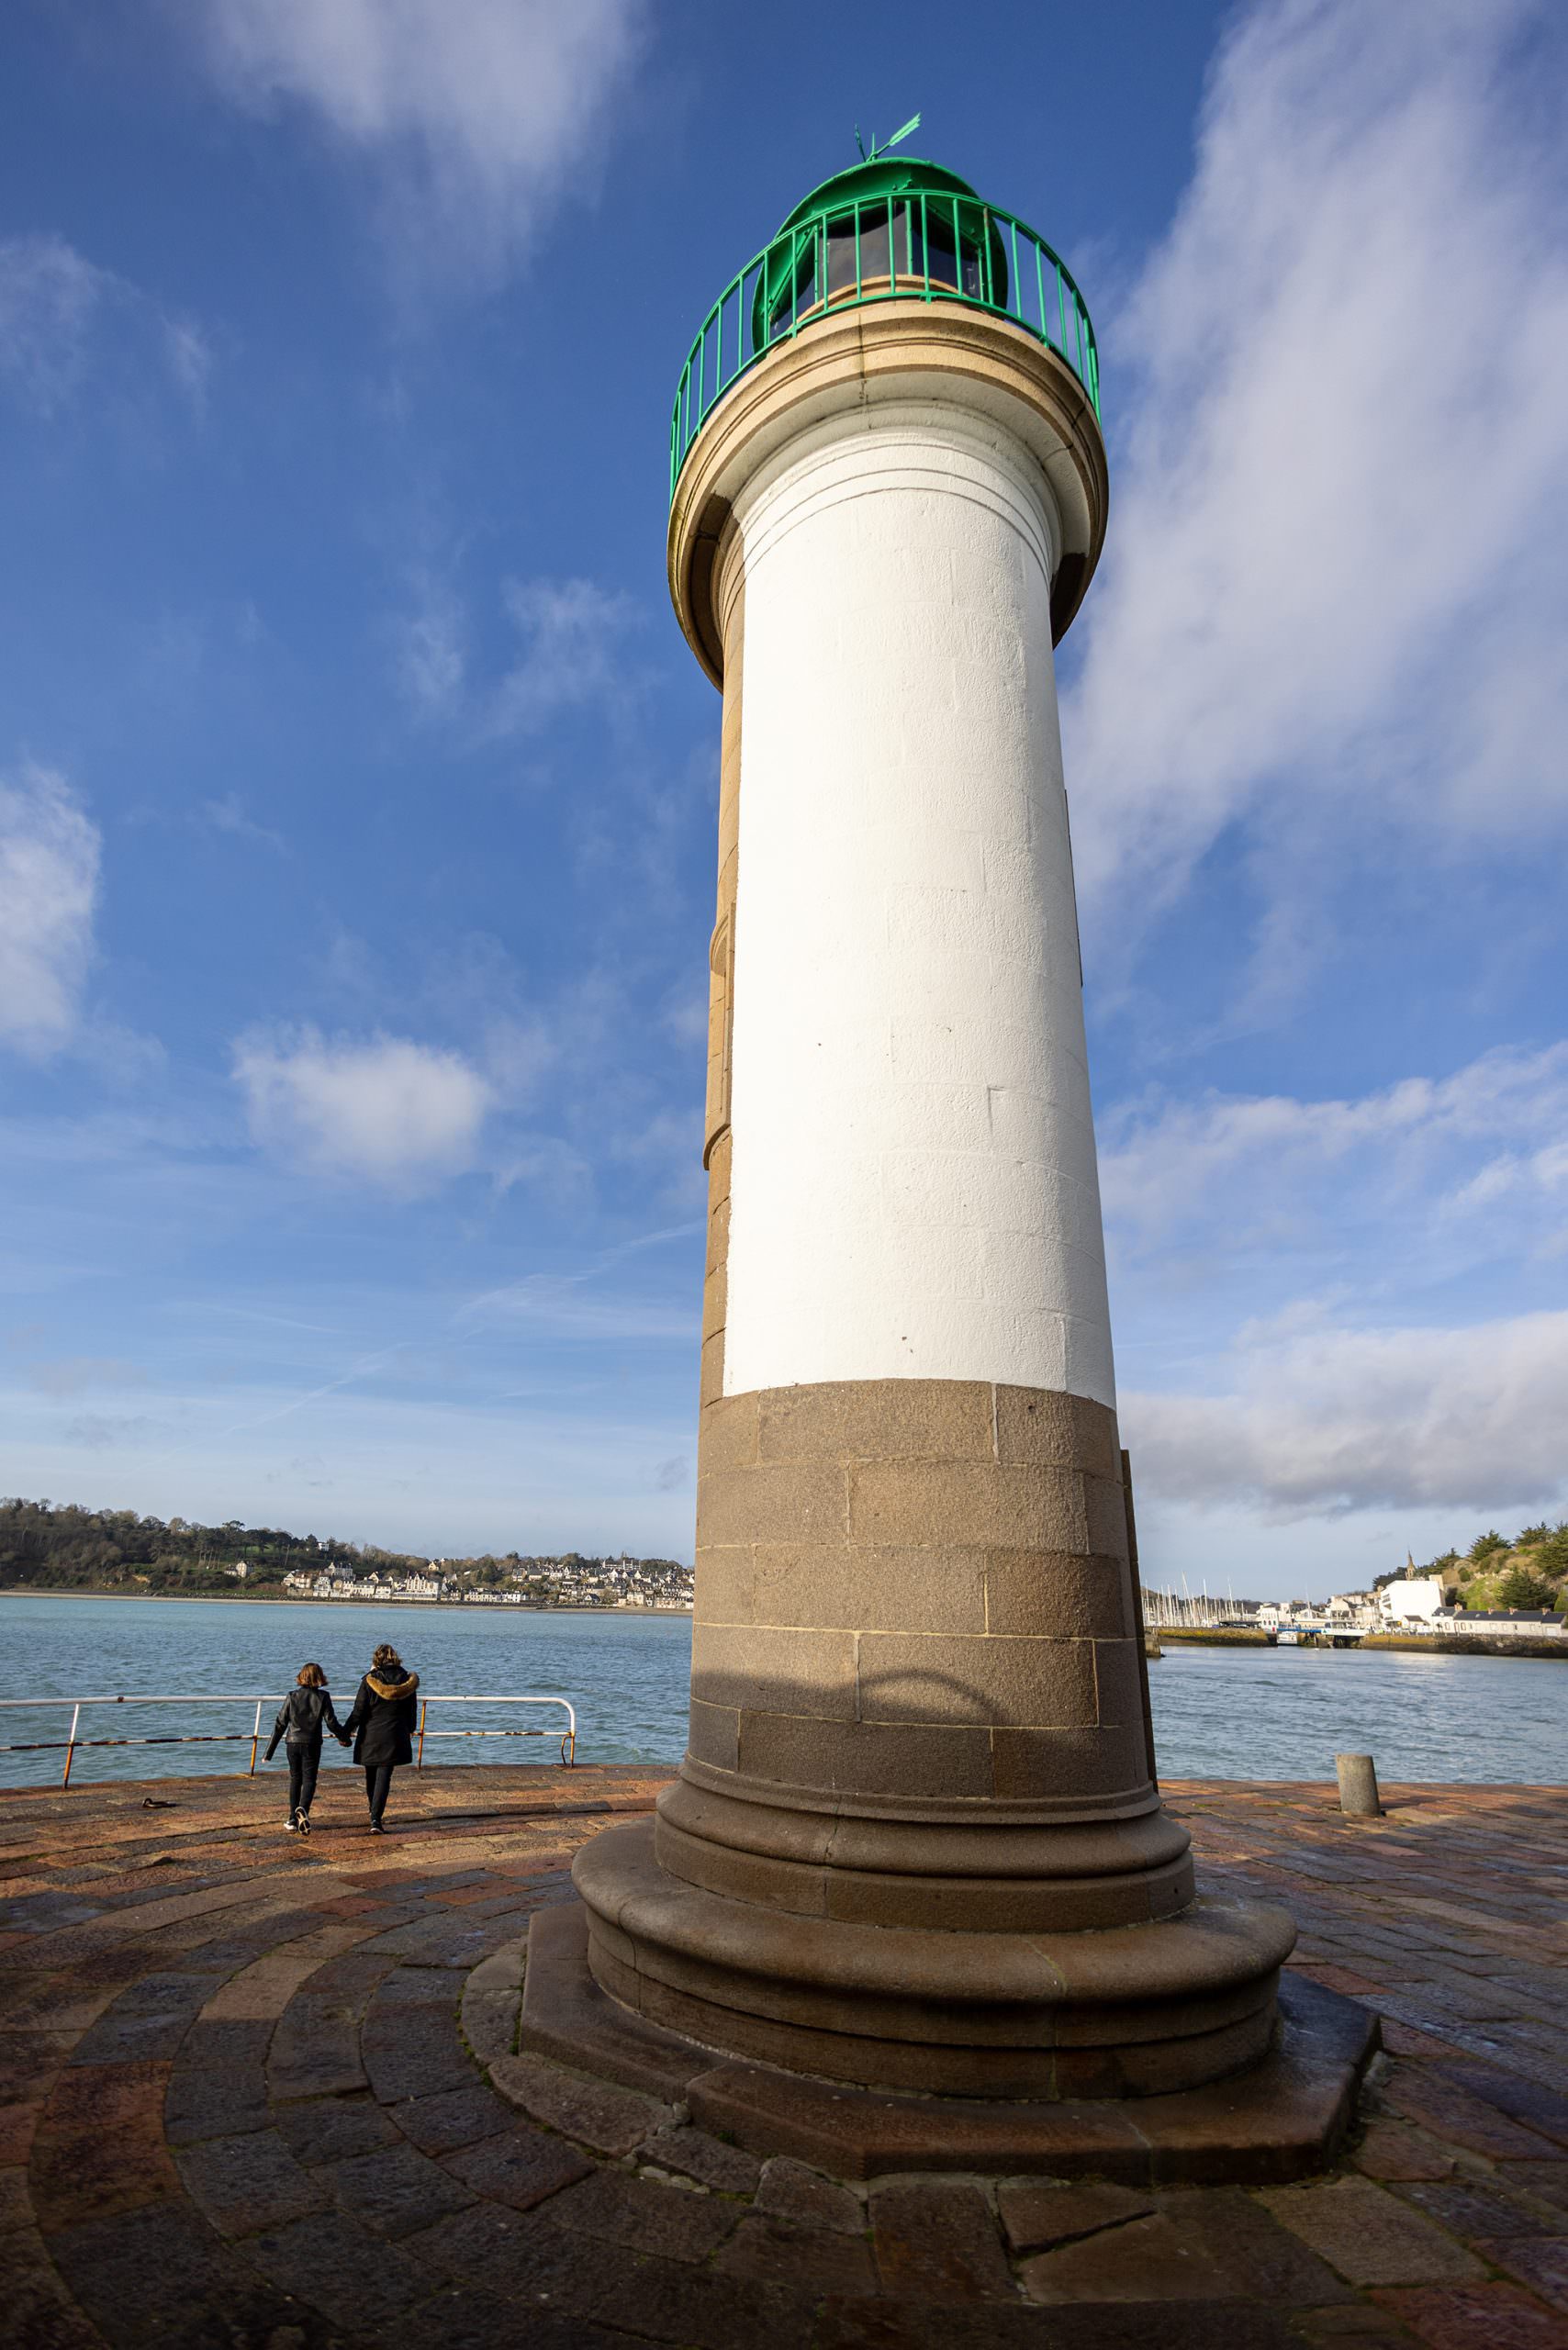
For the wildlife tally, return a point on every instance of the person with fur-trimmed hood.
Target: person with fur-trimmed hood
(382, 1727)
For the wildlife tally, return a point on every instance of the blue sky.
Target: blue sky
(357, 790)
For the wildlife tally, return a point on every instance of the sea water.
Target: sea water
(1238, 1713)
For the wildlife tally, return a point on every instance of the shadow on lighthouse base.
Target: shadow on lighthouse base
(1283, 2116)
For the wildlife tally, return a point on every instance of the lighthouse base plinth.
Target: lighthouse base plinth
(1283, 2118)
(1132, 2011)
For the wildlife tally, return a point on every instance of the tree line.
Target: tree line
(60, 1546)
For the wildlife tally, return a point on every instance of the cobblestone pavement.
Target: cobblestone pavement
(245, 2104)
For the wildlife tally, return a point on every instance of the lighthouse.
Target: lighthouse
(917, 1843)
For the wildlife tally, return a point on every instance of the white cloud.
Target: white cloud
(573, 636)
(188, 353)
(50, 300)
(229, 817)
(1338, 542)
(430, 650)
(387, 1111)
(1494, 1130)
(481, 113)
(1319, 1421)
(49, 886)
(55, 309)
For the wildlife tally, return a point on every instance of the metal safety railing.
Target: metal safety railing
(917, 244)
(568, 1737)
(72, 1742)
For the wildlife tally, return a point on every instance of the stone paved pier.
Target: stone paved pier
(257, 2095)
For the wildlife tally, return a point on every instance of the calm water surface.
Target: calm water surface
(1218, 1713)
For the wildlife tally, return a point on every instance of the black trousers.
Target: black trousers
(304, 1762)
(377, 1786)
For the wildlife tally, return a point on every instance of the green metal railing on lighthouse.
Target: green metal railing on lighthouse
(916, 243)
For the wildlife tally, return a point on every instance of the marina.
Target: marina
(1249, 1713)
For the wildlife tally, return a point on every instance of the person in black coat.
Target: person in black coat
(304, 1713)
(382, 1726)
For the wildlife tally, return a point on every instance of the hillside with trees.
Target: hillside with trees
(58, 1546)
(1528, 1571)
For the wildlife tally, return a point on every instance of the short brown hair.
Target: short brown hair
(387, 1659)
(311, 1677)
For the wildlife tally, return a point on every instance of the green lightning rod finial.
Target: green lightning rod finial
(912, 124)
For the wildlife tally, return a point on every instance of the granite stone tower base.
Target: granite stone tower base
(916, 1847)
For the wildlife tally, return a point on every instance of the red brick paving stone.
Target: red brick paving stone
(30, 2062)
(693, 2154)
(793, 2190)
(1035, 2217)
(1548, 2181)
(938, 2241)
(18, 2123)
(1539, 2262)
(613, 2121)
(454, 2118)
(1260, 2260)
(243, 2184)
(93, 2173)
(159, 2280)
(15, 2205)
(1475, 2207)
(1369, 2236)
(698, 2308)
(36, 2310)
(1352, 2326)
(408, 2052)
(783, 2252)
(332, 2265)
(518, 2167)
(332, 2130)
(397, 2190)
(464, 2317)
(1422, 2094)
(1340, 1978)
(212, 2104)
(643, 2215)
(513, 2253)
(1521, 2098)
(1099, 2326)
(1477, 2317)
(1150, 2259)
(1392, 2150)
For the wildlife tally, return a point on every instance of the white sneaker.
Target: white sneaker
(293, 1827)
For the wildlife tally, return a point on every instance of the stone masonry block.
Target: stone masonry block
(711, 1384)
(804, 1582)
(783, 1672)
(718, 1234)
(780, 1502)
(726, 1434)
(866, 1757)
(1036, 1426)
(724, 1586)
(912, 1502)
(1106, 1503)
(716, 1298)
(1044, 1762)
(877, 1419)
(1023, 1684)
(924, 1589)
(715, 1735)
(1118, 1681)
(1057, 1594)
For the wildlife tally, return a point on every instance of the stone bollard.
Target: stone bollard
(1358, 1786)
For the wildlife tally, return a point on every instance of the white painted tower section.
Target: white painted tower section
(914, 1187)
